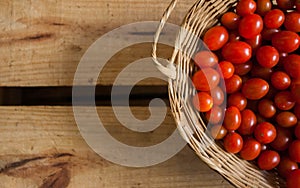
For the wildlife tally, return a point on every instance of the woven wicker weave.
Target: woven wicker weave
(202, 15)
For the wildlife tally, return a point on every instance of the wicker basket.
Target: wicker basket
(202, 15)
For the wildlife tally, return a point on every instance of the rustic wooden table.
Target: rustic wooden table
(41, 43)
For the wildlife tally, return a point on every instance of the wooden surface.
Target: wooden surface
(42, 146)
(41, 43)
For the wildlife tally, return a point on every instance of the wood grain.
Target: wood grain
(42, 41)
(42, 147)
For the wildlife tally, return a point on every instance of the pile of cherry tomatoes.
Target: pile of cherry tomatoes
(256, 51)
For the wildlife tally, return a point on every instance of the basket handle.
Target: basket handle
(170, 69)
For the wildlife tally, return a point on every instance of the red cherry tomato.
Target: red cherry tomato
(295, 90)
(286, 41)
(293, 179)
(267, 56)
(284, 100)
(292, 65)
(215, 115)
(282, 140)
(280, 80)
(255, 88)
(251, 149)
(255, 43)
(232, 118)
(243, 69)
(263, 6)
(218, 132)
(294, 150)
(297, 130)
(202, 101)
(237, 52)
(267, 34)
(206, 59)
(215, 37)
(285, 4)
(286, 166)
(268, 160)
(230, 20)
(261, 72)
(274, 19)
(250, 26)
(233, 142)
(245, 7)
(248, 122)
(292, 21)
(218, 95)
(206, 79)
(266, 108)
(227, 69)
(234, 36)
(297, 3)
(297, 111)
(265, 132)
(238, 100)
(286, 119)
(233, 84)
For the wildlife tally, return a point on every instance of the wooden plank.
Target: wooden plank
(42, 41)
(42, 147)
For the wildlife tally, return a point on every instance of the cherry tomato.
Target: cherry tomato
(295, 90)
(206, 79)
(286, 166)
(267, 34)
(292, 65)
(255, 43)
(232, 118)
(215, 37)
(215, 115)
(234, 36)
(292, 21)
(233, 84)
(251, 149)
(297, 111)
(286, 119)
(218, 132)
(267, 56)
(205, 59)
(274, 19)
(230, 20)
(233, 142)
(282, 140)
(294, 150)
(227, 69)
(265, 132)
(263, 6)
(237, 52)
(245, 7)
(284, 100)
(293, 179)
(218, 95)
(286, 41)
(238, 100)
(297, 3)
(248, 122)
(266, 108)
(243, 69)
(261, 72)
(280, 80)
(202, 101)
(297, 130)
(250, 26)
(268, 160)
(285, 4)
(255, 88)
